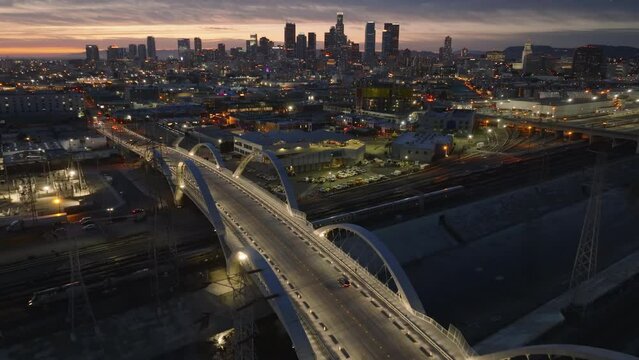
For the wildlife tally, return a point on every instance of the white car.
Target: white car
(85, 220)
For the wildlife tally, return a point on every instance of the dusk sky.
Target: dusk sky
(41, 27)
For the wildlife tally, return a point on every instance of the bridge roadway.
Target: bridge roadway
(363, 320)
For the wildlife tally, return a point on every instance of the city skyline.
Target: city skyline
(64, 28)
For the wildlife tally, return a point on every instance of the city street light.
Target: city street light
(72, 173)
(57, 201)
(242, 256)
(110, 211)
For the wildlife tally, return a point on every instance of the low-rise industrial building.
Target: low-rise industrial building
(421, 146)
(457, 120)
(49, 105)
(304, 151)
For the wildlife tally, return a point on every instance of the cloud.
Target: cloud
(477, 24)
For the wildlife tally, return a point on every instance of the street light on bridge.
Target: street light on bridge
(242, 256)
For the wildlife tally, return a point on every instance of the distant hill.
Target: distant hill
(514, 52)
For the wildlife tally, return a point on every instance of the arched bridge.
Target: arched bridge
(297, 267)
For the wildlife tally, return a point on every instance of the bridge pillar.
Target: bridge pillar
(179, 195)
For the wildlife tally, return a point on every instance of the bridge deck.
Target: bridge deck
(356, 319)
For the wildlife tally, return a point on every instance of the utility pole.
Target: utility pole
(585, 264)
(76, 282)
(243, 317)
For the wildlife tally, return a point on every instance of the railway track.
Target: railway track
(509, 170)
(18, 282)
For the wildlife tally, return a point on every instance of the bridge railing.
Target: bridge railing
(452, 333)
(373, 283)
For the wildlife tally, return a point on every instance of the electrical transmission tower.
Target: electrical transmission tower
(81, 306)
(31, 197)
(243, 324)
(585, 264)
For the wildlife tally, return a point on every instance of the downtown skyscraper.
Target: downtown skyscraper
(300, 46)
(92, 53)
(312, 45)
(289, 39)
(369, 42)
(150, 48)
(339, 29)
(390, 41)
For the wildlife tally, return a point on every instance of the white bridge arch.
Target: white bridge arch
(405, 289)
(197, 182)
(266, 279)
(552, 351)
(154, 156)
(272, 290)
(217, 155)
(289, 190)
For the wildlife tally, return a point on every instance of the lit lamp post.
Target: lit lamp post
(110, 211)
(445, 150)
(57, 201)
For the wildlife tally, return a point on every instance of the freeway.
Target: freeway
(361, 322)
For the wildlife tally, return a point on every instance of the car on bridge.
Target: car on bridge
(344, 281)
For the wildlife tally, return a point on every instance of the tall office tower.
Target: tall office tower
(312, 45)
(339, 29)
(93, 53)
(221, 51)
(300, 46)
(264, 46)
(115, 53)
(390, 41)
(588, 63)
(150, 48)
(133, 51)
(464, 52)
(394, 30)
(251, 46)
(141, 51)
(354, 56)
(386, 43)
(197, 44)
(330, 41)
(446, 55)
(369, 42)
(289, 39)
(448, 43)
(527, 51)
(184, 45)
